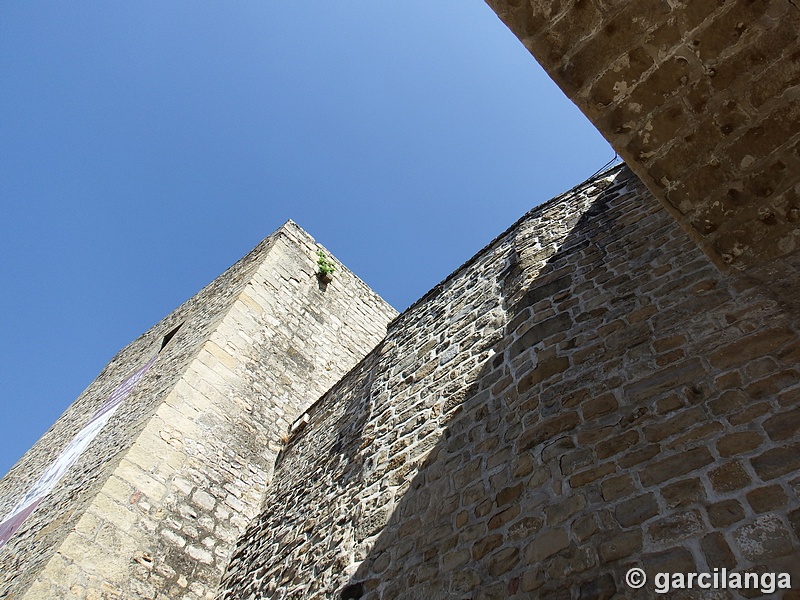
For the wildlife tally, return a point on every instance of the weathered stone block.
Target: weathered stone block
(485, 545)
(717, 551)
(772, 384)
(572, 460)
(677, 424)
(601, 405)
(777, 461)
(587, 477)
(622, 545)
(738, 443)
(525, 528)
(636, 510)
(547, 544)
(783, 426)
(767, 499)
(665, 379)
(540, 331)
(503, 561)
(729, 401)
(674, 560)
(618, 444)
(729, 477)
(682, 493)
(617, 487)
(547, 430)
(503, 517)
(562, 511)
(764, 539)
(675, 466)
(750, 347)
(725, 513)
(676, 527)
(602, 588)
(639, 456)
(509, 494)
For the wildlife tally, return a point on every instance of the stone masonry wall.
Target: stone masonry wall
(587, 394)
(700, 97)
(156, 502)
(34, 544)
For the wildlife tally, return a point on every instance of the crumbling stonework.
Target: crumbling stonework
(587, 394)
(155, 504)
(700, 97)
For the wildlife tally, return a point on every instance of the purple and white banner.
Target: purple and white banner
(14, 519)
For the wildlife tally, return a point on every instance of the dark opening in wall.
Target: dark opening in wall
(169, 336)
(352, 592)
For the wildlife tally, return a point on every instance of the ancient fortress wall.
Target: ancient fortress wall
(586, 394)
(34, 544)
(589, 393)
(155, 503)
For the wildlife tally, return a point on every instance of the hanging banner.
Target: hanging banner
(68, 456)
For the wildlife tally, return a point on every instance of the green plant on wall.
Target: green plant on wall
(326, 267)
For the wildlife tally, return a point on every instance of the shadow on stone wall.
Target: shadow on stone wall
(255, 565)
(625, 418)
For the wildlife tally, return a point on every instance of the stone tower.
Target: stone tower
(144, 484)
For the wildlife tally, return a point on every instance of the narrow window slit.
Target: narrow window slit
(169, 336)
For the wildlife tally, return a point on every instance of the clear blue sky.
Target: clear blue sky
(146, 146)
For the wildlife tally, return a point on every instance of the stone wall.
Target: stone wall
(34, 544)
(586, 394)
(154, 505)
(700, 97)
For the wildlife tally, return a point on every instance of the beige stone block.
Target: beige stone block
(193, 404)
(200, 554)
(88, 525)
(38, 591)
(118, 489)
(74, 547)
(146, 451)
(232, 332)
(240, 316)
(172, 461)
(112, 540)
(208, 361)
(50, 581)
(111, 510)
(207, 382)
(154, 452)
(214, 407)
(252, 303)
(181, 393)
(140, 480)
(177, 420)
(546, 544)
(111, 590)
(221, 354)
(94, 594)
